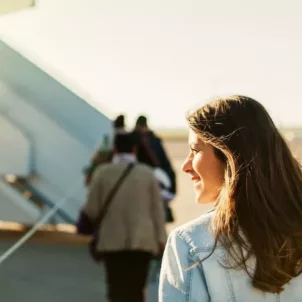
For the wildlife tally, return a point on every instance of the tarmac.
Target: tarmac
(51, 270)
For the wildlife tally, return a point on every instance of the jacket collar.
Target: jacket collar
(124, 158)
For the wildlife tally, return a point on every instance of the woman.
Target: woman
(249, 247)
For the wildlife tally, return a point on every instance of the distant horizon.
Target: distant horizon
(290, 133)
(175, 129)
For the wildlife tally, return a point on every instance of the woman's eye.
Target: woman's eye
(194, 151)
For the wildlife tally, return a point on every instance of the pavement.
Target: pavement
(54, 270)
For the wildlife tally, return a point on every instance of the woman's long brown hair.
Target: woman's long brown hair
(259, 210)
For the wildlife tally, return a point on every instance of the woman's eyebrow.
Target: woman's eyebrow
(196, 145)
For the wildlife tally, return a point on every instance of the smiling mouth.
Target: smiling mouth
(196, 181)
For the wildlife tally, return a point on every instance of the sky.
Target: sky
(162, 57)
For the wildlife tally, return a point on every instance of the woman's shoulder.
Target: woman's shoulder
(198, 233)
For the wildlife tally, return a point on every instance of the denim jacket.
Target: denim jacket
(185, 278)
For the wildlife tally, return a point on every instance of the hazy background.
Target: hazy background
(162, 57)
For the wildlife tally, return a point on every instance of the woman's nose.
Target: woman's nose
(187, 165)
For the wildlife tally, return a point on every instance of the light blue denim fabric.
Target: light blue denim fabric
(184, 278)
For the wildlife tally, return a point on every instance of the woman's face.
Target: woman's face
(205, 169)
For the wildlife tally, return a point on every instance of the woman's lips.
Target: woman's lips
(196, 181)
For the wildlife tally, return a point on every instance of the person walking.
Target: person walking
(133, 229)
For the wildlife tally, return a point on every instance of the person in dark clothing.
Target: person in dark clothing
(143, 136)
(150, 150)
(165, 164)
